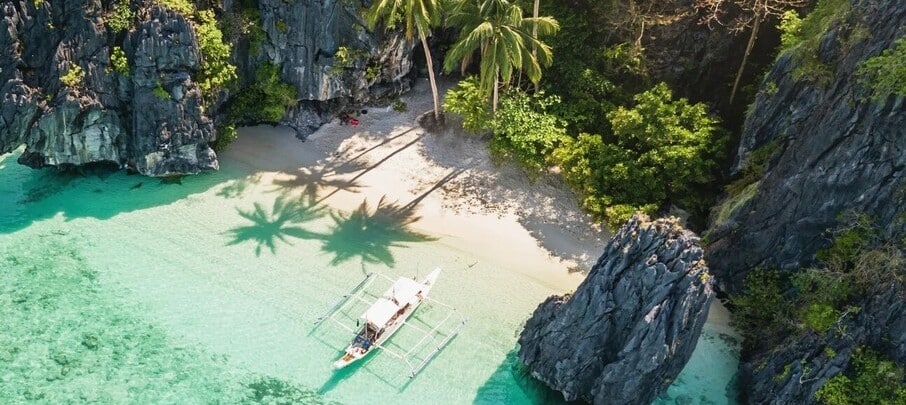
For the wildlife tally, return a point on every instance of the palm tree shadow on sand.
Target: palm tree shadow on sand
(369, 234)
(314, 180)
(281, 223)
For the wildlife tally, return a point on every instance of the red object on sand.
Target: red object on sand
(353, 121)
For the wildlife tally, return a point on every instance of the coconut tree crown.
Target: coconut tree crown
(503, 38)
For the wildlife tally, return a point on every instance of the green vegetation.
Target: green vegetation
(815, 300)
(184, 7)
(121, 17)
(118, 61)
(468, 100)
(399, 105)
(417, 18)
(524, 131)
(753, 169)
(266, 100)
(659, 150)
(216, 70)
(226, 134)
(870, 379)
(73, 77)
(345, 58)
(790, 29)
(761, 312)
(733, 202)
(160, 92)
(887, 72)
(802, 37)
(502, 36)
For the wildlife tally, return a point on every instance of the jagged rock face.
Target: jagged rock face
(838, 149)
(632, 324)
(103, 117)
(171, 132)
(796, 370)
(108, 117)
(331, 58)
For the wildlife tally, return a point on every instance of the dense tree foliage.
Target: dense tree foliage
(658, 152)
(502, 36)
(525, 131)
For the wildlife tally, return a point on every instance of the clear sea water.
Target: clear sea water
(126, 289)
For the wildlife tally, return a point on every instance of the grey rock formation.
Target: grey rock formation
(837, 149)
(331, 58)
(103, 116)
(792, 373)
(632, 324)
(128, 121)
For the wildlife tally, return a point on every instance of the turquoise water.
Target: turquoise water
(118, 288)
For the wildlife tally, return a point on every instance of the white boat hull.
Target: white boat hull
(361, 346)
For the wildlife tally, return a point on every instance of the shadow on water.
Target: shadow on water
(369, 234)
(512, 383)
(281, 223)
(28, 195)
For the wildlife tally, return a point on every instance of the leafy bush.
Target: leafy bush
(73, 77)
(399, 105)
(160, 92)
(660, 149)
(857, 235)
(524, 131)
(184, 7)
(121, 17)
(887, 71)
(761, 312)
(216, 69)
(467, 100)
(753, 169)
(870, 379)
(790, 29)
(266, 100)
(119, 62)
(226, 134)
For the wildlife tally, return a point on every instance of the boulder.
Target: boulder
(631, 326)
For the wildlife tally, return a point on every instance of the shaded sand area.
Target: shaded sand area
(120, 288)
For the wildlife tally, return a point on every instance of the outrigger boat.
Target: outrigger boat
(386, 315)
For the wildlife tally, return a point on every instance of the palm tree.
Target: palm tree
(504, 39)
(418, 16)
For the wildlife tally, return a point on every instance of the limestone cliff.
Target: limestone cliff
(819, 144)
(62, 96)
(632, 324)
(832, 147)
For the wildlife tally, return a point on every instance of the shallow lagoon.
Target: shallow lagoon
(123, 288)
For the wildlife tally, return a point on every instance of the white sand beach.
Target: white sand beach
(492, 211)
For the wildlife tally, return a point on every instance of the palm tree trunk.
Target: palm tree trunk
(496, 97)
(431, 76)
(745, 56)
(535, 35)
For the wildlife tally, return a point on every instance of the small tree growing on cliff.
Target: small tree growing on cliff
(417, 16)
(750, 14)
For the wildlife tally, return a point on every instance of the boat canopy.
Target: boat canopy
(404, 291)
(380, 313)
